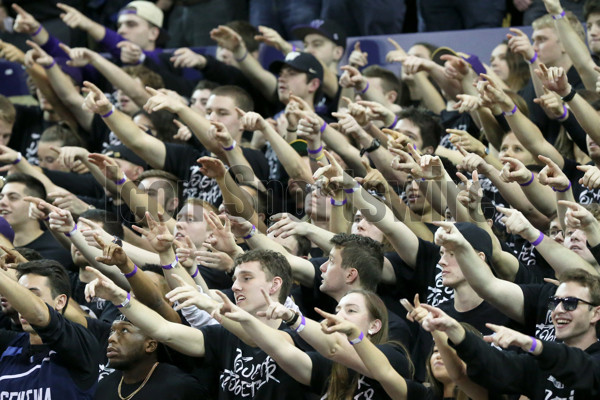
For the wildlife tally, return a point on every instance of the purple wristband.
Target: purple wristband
(242, 58)
(317, 151)
(564, 190)
(534, 344)
(132, 273)
(300, 327)
(512, 112)
(364, 90)
(196, 273)
(19, 158)
(538, 240)
(121, 181)
(252, 232)
(293, 47)
(230, 147)
(532, 58)
(393, 123)
(127, 300)
(108, 114)
(559, 16)
(358, 339)
(528, 182)
(335, 202)
(564, 114)
(353, 189)
(323, 127)
(37, 32)
(68, 234)
(51, 65)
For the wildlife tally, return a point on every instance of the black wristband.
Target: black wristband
(570, 96)
(294, 319)
(374, 146)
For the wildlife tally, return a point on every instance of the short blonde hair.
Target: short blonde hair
(8, 113)
(546, 21)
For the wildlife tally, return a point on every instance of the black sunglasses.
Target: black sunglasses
(569, 303)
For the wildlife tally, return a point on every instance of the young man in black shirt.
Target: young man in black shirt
(53, 357)
(245, 371)
(135, 357)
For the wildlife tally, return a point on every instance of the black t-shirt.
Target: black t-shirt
(537, 316)
(50, 248)
(78, 184)
(456, 120)
(27, 130)
(100, 136)
(367, 388)
(247, 372)
(427, 277)
(166, 382)
(67, 365)
(101, 331)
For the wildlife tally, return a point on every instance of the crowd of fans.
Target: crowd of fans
(180, 226)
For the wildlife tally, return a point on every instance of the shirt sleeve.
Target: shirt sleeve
(76, 347)
(109, 43)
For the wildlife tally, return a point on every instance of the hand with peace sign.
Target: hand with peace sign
(397, 54)
(104, 288)
(162, 101)
(505, 337)
(449, 236)
(332, 323)
(397, 140)
(591, 178)
(517, 224)
(352, 78)
(519, 43)
(374, 180)
(221, 237)
(431, 166)
(552, 105)
(472, 193)
(272, 38)
(378, 112)
(579, 217)
(24, 22)
(552, 175)
(112, 254)
(187, 295)
(405, 162)
(220, 134)
(467, 103)
(93, 229)
(309, 127)
(275, 310)
(350, 126)
(333, 173)
(79, 56)
(251, 121)
(227, 38)
(157, 234)
(356, 111)
(555, 79)
(37, 55)
(230, 310)
(185, 252)
(214, 259)
(286, 225)
(212, 167)
(95, 101)
(109, 167)
(468, 142)
(494, 93)
(515, 171)
(358, 58)
(415, 313)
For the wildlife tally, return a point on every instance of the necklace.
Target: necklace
(139, 388)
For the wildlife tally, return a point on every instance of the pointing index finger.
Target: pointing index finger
(268, 299)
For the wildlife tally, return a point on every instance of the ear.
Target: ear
(60, 302)
(313, 85)
(481, 255)
(275, 285)
(151, 346)
(262, 217)
(374, 327)
(137, 171)
(351, 276)
(428, 150)
(391, 96)
(338, 52)
(595, 316)
(154, 33)
(172, 205)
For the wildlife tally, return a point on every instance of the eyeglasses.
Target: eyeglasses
(569, 303)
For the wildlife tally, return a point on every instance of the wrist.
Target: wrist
(565, 92)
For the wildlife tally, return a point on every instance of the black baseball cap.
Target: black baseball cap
(478, 238)
(300, 61)
(328, 28)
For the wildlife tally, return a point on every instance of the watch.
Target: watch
(374, 146)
